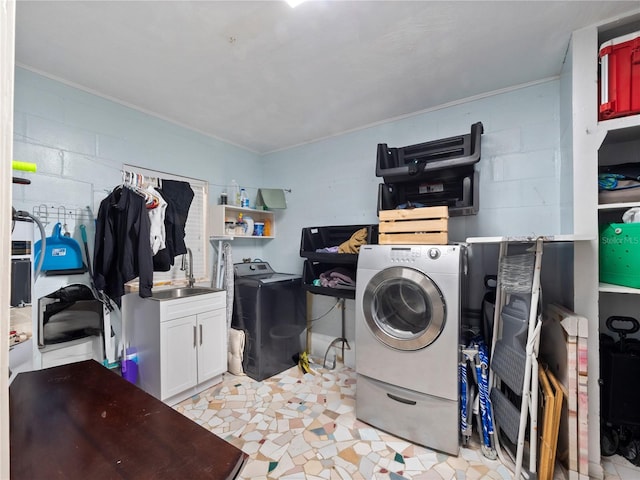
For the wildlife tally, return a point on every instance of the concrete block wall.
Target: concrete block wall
(80, 142)
(333, 181)
(522, 179)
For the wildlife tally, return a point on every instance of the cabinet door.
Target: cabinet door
(178, 355)
(212, 344)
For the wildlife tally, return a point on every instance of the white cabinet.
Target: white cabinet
(223, 217)
(190, 351)
(178, 360)
(212, 360)
(181, 343)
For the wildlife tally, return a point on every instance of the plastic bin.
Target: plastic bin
(620, 254)
(311, 271)
(620, 76)
(129, 367)
(456, 188)
(318, 238)
(422, 160)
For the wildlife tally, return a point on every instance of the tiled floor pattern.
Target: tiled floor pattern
(303, 426)
(617, 467)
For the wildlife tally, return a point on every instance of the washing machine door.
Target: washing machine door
(403, 308)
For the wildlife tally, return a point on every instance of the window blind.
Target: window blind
(195, 229)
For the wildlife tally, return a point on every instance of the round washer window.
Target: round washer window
(403, 308)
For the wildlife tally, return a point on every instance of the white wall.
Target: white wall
(333, 181)
(522, 180)
(80, 141)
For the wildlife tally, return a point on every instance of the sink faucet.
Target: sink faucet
(188, 270)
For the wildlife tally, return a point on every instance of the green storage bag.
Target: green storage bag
(620, 254)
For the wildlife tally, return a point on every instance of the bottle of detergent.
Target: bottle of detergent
(244, 199)
(234, 194)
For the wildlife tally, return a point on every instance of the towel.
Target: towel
(352, 245)
(338, 278)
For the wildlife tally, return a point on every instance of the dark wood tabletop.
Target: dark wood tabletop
(83, 421)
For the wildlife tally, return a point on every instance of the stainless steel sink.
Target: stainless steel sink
(181, 292)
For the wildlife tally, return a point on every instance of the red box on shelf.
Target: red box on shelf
(620, 77)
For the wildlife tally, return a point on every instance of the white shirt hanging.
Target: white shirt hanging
(156, 215)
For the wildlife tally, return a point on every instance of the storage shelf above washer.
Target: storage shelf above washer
(530, 238)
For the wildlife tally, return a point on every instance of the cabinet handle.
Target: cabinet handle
(195, 335)
(200, 334)
(401, 400)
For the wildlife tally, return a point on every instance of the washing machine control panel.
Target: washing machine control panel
(413, 254)
(409, 254)
(404, 254)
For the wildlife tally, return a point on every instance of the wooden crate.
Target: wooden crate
(424, 226)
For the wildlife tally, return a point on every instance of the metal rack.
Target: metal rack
(61, 214)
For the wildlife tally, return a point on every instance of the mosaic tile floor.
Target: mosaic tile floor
(617, 467)
(297, 426)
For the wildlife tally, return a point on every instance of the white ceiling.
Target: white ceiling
(266, 77)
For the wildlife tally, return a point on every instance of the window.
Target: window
(195, 230)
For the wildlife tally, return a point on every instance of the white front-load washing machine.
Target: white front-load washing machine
(408, 300)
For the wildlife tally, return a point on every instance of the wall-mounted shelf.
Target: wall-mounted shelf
(621, 128)
(609, 288)
(219, 214)
(618, 206)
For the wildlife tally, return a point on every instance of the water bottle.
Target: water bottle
(244, 200)
(235, 194)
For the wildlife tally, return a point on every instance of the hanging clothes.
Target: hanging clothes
(178, 196)
(157, 214)
(122, 247)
